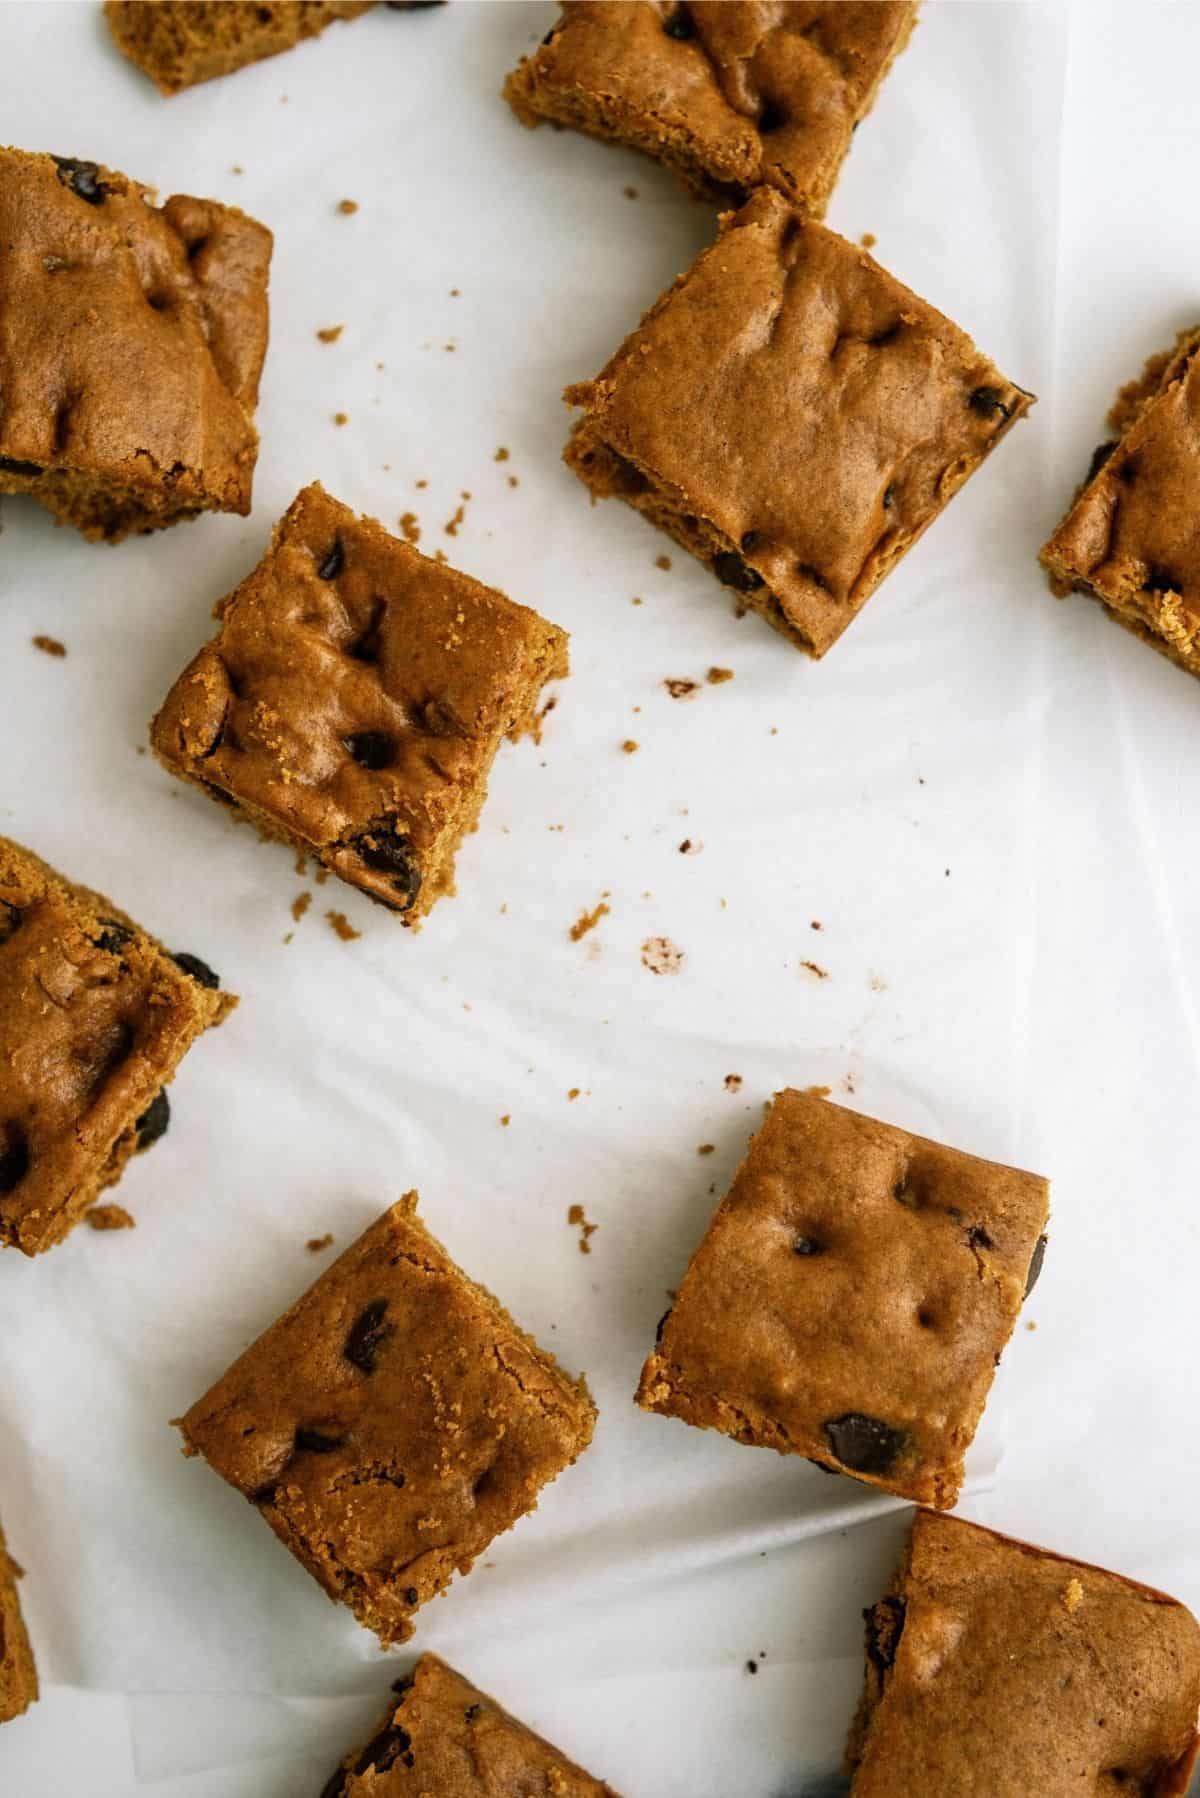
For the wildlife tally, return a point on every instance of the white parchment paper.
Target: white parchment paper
(983, 799)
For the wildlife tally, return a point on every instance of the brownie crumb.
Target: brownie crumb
(631, 746)
(315, 1244)
(660, 955)
(330, 333)
(751, 1666)
(662, 561)
(451, 525)
(733, 1083)
(410, 527)
(110, 1217)
(347, 207)
(300, 905)
(716, 676)
(577, 1217)
(573, 1092)
(818, 1092)
(816, 969)
(631, 193)
(690, 846)
(456, 293)
(706, 1148)
(588, 920)
(513, 481)
(341, 418)
(420, 483)
(501, 455)
(816, 924)
(681, 689)
(506, 1119)
(302, 864)
(637, 601)
(49, 646)
(341, 926)
(868, 240)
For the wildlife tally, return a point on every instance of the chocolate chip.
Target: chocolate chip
(154, 1120)
(679, 25)
(11, 919)
(335, 560)
(83, 178)
(472, 1711)
(1035, 1265)
(978, 1237)
(335, 1785)
(14, 1156)
(390, 1745)
(771, 118)
(373, 749)
(807, 1245)
(312, 1442)
(1100, 456)
(114, 937)
(411, 1595)
(864, 1443)
(733, 572)
(885, 1626)
(367, 1336)
(10, 465)
(889, 494)
(1160, 580)
(661, 1326)
(389, 851)
(199, 970)
(987, 401)
(750, 541)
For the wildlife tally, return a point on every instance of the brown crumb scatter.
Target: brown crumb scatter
(410, 527)
(300, 905)
(501, 455)
(289, 938)
(661, 956)
(341, 926)
(849, 1083)
(816, 969)
(868, 240)
(577, 1217)
(450, 347)
(513, 481)
(49, 646)
(818, 1092)
(573, 1092)
(1073, 1595)
(302, 864)
(341, 418)
(1031, 1325)
(421, 483)
(681, 689)
(347, 207)
(636, 601)
(690, 846)
(877, 983)
(816, 924)
(706, 1148)
(456, 293)
(506, 1119)
(588, 920)
(751, 1666)
(110, 1217)
(237, 169)
(320, 875)
(733, 1083)
(662, 561)
(315, 1244)
(631, 746)
(330, 333)
(716, 676)
(451, 525)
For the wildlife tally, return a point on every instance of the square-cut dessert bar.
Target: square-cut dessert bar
(996, 1667)
(443, 1738)
(95, 1017)
(850, 1299)
(727, 95)
(1132, 536)
(391, 1423)
(793, 416)
(18, 1675)
(133, 339)
(189, 41)
(354, 699)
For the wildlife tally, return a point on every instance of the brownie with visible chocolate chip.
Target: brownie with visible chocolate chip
(793, 416)
(1132, 537)
(727, 95)
(851, 1299)
(18, 1675)
(996, 1666)
(132, 346)
(354, 699)
(391, 1423)
(444, 1738)
(189, 41)
(95, 1017)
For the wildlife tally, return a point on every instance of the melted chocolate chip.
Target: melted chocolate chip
(1035, 1265)
(14, 1156)
(335, 561)
(390, 1745)
(988, 401)
(807, 1245)
(367, 1336)
(11, 919)
(978, 1237)
(154, 1121)
(733, 572)
(372, 749)
(411, 1595)
(771, 118)
(750, 542)
(114, 937)
(389, 851)
(885, 1626)
(1100, 456)
(472, 1711)
(10, 465)
(679, 25)
(83, 178)
(199, 970)
(864, 1443)
(312, 1442)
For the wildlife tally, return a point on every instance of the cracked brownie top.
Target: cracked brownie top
(391, 1423)
(851, 1298)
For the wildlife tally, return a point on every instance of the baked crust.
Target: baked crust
(180, 43)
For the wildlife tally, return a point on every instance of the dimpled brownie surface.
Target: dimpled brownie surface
(1132, 538)
(95, 1017)
(18, 1675)
(850, 1299)
(392, 1423)
(793, 416)
(996, 1667)
(727, 95)
(132, 338)
(188, 41)
(443, 1738)
(354, 699)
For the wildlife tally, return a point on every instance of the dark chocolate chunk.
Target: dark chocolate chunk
(335, 560)
(11, 919)
(1160, 580)
(679, 25)
(771, 118)
(988, 401)
(114, 937)
(411, 1595)
(372, 749)
(312, 1442)
(1035, 1265)
(864, 1443)
(472, 1711)
(731, 570)
(154, 1120)
(1100, 456)
(807, 1245)
(14, 1156)
(367, 1336)
(11, 465)
(885, 1626)
(978, 1237)
(390, 1745)
(750, 541)
(389, 851)
(199, 970)
(83, 178)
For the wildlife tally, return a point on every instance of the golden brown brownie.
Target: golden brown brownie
(851, 1298)
(793, 416)
(1132, 537)
(180, 42)
(18, 1675)
(354, 699)
(95, 1017)
(132, 338)
(728, 93)
(443, 1738)
(996, 1667)
(392, 1423)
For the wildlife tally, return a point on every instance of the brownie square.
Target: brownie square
(993, 1665)
(354, 699)
(727, 96)
(190, 41)
(793, 416)
(95, 1017)
(131, 346)
(392, 1423)
(1132, 537)
(850, 1299)
(444, 1738)
(18, 1675)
